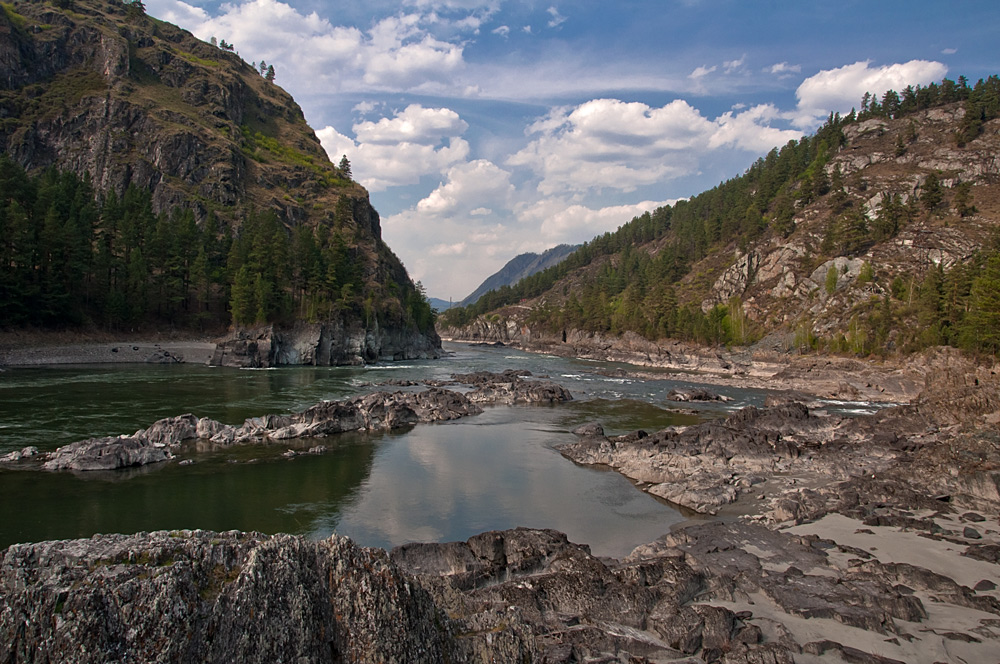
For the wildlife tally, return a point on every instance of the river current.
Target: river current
(433, 482)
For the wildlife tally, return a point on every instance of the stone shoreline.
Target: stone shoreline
(815, 375)
(872, 539)
(108, 352)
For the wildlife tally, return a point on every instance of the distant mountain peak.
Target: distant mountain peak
(519, 267)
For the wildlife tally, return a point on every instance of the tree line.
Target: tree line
(637, 290)
(70, 257)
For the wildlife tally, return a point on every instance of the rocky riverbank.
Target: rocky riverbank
(733, 593)
(872, 539)
(46, 348)
(264, 346)
(763, 367)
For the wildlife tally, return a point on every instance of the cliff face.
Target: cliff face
(783, 280)
(129, 100)
(318, 344)
(139, 101)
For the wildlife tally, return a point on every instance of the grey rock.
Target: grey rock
(695, 394)
(590, 429)
(377, 411)
(511, 387)
(702, 466)
(213, 597)
(330, 344)
(106, 453)
(17, 455)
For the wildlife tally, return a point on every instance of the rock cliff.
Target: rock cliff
(322, 344)
(98, 89)
(140, 101)
(213, 597)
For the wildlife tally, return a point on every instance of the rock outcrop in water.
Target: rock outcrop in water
(318, 344)
(511, 387)
(708, 465)
(377, 411)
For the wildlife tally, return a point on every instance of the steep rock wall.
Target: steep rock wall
(331, 344)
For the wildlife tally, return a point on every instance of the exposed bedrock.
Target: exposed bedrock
(734, 593)
(708, 465)
(376, 411)
(199, 596)
(331, 344)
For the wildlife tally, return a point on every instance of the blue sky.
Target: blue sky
(487, 128)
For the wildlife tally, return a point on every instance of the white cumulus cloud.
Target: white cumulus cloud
(841, 89)
(563, 222)
(396, 151)
(612, 144)
(751, 130)
(397, 53)
(469, 186)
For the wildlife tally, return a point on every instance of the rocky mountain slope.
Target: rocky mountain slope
(517, 268)
(102, 90)
(134, 100)
(869, 237)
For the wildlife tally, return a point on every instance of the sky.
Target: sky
(488, 128)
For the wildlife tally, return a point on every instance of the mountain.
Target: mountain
(878, 234)
(440, 305)
(517, 268)
(213, 200)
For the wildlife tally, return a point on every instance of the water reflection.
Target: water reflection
(224, 491)
(435, 482)
(450, 481)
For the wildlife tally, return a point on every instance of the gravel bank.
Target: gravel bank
(14, 353)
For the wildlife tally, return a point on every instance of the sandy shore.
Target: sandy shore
(48, 349)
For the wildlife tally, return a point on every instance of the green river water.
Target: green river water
(435, 482)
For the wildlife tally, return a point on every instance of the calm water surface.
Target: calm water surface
(436, 482)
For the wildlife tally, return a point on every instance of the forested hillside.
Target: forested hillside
(877, 233)
(149, 179)
(518, 268)
(69, 258)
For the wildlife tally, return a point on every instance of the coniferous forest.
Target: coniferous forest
(636, 289)
(70, 257)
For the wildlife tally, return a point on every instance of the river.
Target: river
(435, 482)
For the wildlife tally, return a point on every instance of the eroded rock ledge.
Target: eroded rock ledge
(377, 411)
(801, 463)
(705, 466)
(734, 593)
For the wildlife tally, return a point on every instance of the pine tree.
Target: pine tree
(981, 328)
(134, 9)
(243, 303)
(963, 200)
(931, 193)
